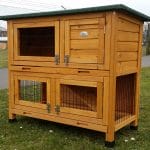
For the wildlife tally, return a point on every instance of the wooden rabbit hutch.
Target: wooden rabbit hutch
(78, 67)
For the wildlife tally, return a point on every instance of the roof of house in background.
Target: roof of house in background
(9, 10)
(3, 29)
(12, 10)
(118, 7)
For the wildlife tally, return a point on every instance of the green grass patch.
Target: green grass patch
(37, 134)
(3, 58)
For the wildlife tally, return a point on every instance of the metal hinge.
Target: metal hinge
(66, 59)
(56, 59)
(57, 109)
(48, 108)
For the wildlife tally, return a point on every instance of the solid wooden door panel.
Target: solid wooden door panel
(84, 41)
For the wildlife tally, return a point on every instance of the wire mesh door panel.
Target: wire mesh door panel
(79, 97)
(32, 91)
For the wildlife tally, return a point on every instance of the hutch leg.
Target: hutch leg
(12, 117)
(134, 124)
(110, 138)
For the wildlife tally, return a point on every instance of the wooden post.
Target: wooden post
(12, 116)
(110, 135)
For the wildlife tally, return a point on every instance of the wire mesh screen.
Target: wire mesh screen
(125, 97)
(32, 91)
(79, 97)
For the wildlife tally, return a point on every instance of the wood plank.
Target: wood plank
(35, 20)
(83, 16)
(52, 64)
(79, 112)
(105, 100)
(92, 34)
(101, 50)
(126, 56)
(50, 98)
(86, 56)
(67, 37)
(82, 78)
(81, 27)
(127, 46)
(10, 75)
(34, 24)
(84, 44)
(129, 18)
(60, 76)
(32, 104)
(100, 93)
(78, 83)
(127, 121)
(84, 52)
(11, 91)
(84, 59)
(125, 67)
(58, 119)
(10, 43)
(128, 36)
(34, 58)
(63, 115)
(107, 42)
(125, 25)
(62, 71)
(84, 21)
(62, 41)
(57, 36)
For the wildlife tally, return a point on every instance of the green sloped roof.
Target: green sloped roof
(118, 7)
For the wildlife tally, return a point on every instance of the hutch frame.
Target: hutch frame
(96, 51)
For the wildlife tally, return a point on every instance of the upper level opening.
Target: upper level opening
(37, 41)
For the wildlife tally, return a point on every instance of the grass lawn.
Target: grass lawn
(34, 134)
(3, 58)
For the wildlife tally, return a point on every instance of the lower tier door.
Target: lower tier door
(32, 91)
(83, 98)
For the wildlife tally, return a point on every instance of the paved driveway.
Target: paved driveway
(3, 78)
(146, 61)
(4, 72)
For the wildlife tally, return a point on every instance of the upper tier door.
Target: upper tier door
(36, 41)
(84, 41)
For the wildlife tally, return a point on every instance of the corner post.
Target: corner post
(110, 135)
(12, 116)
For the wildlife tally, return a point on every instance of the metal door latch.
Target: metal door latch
(48, 108)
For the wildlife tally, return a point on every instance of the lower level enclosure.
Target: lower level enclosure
(78, 102)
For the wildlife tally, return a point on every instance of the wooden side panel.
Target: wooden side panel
(128, 35)
(126, 56)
